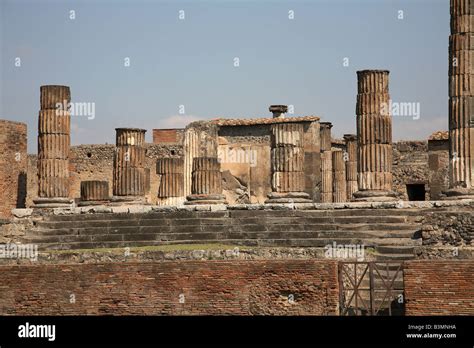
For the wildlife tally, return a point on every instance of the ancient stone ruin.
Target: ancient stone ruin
(277, 200)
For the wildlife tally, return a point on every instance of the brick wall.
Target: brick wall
(168, 136)
(13, 166)
(439, 287)
(204, 287)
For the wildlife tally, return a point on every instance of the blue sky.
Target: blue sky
(190, 62)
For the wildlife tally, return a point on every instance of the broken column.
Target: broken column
(171, 177)
(200, 140)
(287, 161)
(374, 137)
(94, 192)
(461, 100)
(53, 147)
(326, 162)
(338, 177)
(351, 165)
(129, 175)
(206, 185)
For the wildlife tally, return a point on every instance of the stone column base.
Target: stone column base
(458, 193)
(288, 197)
(205, 199)
(126, 200)
(171, 201)
(375, 196)
(92, 203)
(56, 202)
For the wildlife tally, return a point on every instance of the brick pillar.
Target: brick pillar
(171, 174)
(94, 192)
(461, 100)
(374, 137)
(206, 185)
(338, 177)
(129, 175)
(287, 161)
(351, 165)
(326, 162)
(53, 147)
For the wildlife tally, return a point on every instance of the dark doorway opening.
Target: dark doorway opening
(416, 192)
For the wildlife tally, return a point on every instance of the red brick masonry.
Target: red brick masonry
(13, 166)
(439, 287)
(273, 287)
(166, 136)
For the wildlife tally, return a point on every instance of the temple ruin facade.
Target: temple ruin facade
(276, 186)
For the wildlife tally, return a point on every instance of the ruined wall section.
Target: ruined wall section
(439, 287)
(244, 152)
(173, 288)
(449, 228)
(13, 167)
(410, 166)
(95, 162)
(438, 152)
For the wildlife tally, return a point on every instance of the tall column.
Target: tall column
(206, 185)
(171, 188)
(129, 176)
(351, 165)
(461, 100)
(287, 161)
(339, 177)
(326, 162)
(53, 147)
(374, 137)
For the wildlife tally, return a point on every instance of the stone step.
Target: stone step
(342, 220)
(379, 282)
(395, 249)
(302, 242)
(360, 238)
(222, 224)
(394, 257)
(222, 232)
(240, 214)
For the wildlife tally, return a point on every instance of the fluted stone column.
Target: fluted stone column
(206, 186)
(129, 175)
(94, 192)
(53, 147)
(374, 137)
(200, 140)
(461, 100)
(171, 188)
(339, 177)
(351, 165)
(326, 163)
(287, 161)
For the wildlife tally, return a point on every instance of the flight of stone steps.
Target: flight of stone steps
(393, 233)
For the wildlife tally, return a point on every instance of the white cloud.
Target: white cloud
(176, 121)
